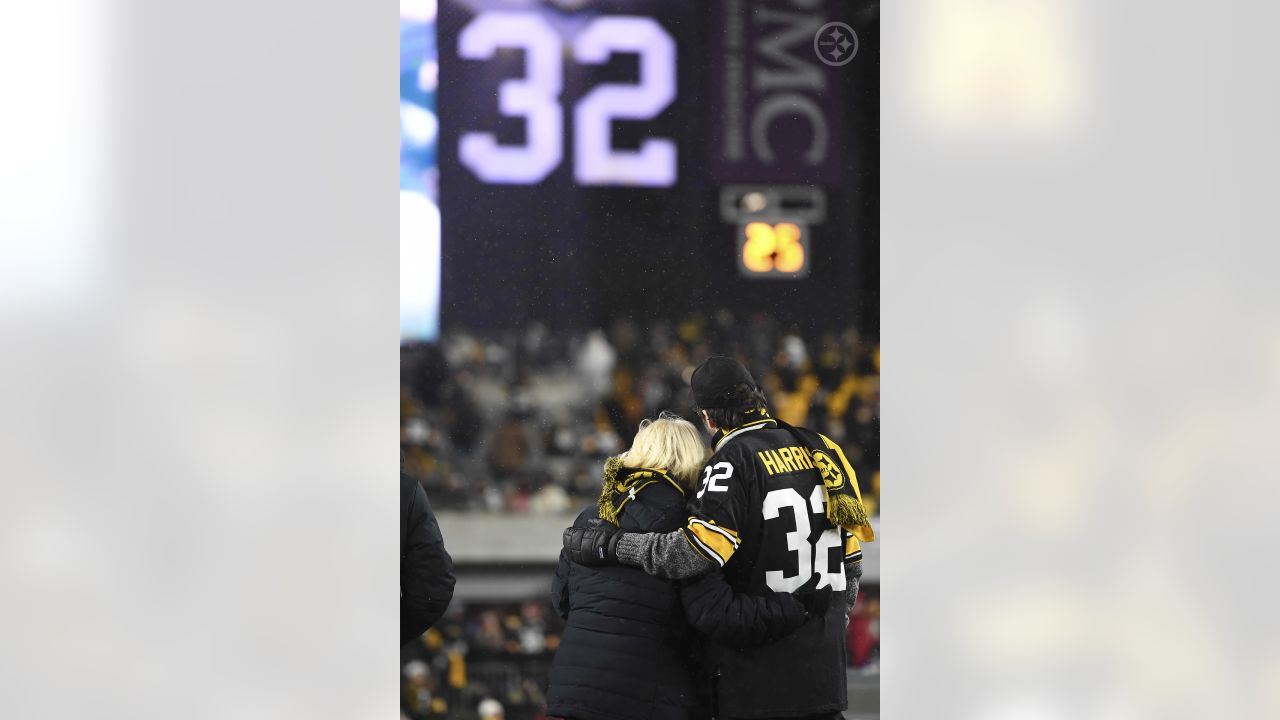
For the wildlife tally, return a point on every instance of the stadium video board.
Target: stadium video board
(586, 142)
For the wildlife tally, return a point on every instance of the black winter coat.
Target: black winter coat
(426, 570)
(629, 649)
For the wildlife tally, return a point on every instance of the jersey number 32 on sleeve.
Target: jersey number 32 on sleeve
(712, 474)
(808, 555)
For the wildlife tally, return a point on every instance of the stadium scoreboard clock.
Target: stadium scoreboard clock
(773, 227)
(773, 249)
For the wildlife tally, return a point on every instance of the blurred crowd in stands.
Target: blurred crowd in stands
(522, 420)
(481, 658)
(863, 634)
(489, 661)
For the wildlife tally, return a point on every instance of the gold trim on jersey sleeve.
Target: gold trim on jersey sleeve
(852, 550)
(715, 542)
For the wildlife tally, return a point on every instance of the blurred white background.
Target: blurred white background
(198, 300)
(1080, 360)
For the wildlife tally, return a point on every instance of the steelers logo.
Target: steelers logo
(835, 44)
(831, 475)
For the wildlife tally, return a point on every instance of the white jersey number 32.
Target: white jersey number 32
(808, 555)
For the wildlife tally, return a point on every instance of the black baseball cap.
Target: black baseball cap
(715, 380)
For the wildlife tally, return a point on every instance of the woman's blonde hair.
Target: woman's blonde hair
(668, 443)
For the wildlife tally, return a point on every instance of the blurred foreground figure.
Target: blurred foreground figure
(628, 651)
(426, 570)
(779, 509)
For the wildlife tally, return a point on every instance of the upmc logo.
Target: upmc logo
(777, 106)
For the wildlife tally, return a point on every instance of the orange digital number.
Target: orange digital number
(773, 248)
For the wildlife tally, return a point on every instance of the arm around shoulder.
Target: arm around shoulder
(714, 609)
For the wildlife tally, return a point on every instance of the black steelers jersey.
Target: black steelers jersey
(760, 512)
(762, 499)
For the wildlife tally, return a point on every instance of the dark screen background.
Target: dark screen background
(574, 256)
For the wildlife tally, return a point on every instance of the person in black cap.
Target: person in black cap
(779, 510)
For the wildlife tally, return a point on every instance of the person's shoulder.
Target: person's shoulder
(658, 507)
(737, 448)
(815, 435)
(410, 491)
(662, 494)
(585, 517)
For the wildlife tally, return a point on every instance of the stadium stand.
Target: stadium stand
(521, 421)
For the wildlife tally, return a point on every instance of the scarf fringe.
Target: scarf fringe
(608, 511)
(845, 510)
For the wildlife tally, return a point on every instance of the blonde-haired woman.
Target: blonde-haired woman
(628, 650)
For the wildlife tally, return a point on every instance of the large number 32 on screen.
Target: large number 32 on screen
(536, 99)
(808, 554)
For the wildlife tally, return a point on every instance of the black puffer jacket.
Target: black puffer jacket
(628, 652)
(426, 570)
